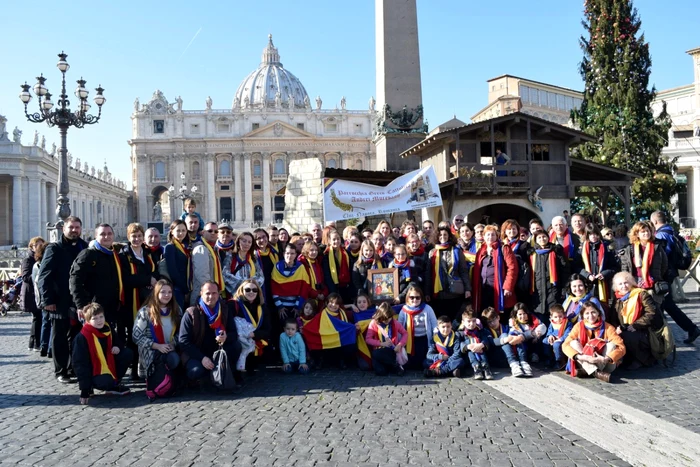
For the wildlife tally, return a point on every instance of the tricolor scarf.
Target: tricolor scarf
(213, 316)
(443, 346)
(603, 293)
(597, 330)
(237, 263)
(387, 332)
(218, 274)
(221, 247)
(404, 269)
(102, 362)
(256, 321)
(419, 252)
(576, 303)
(568, 244)
(632, 305)
(352, 256)
(553, 277)
(411, 311)
(289, 282)
(157, 330)
(184, 250)
(499, 274)
(133, 269)
(560, 328)
(339, 275)
(440, 275)
(340, 314)
(117, 263)
(495, 333)
(311, 268)
(268, 252)
(515, 244)
(532, 322)
(643, 264)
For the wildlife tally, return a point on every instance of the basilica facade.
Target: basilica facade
(238, 157)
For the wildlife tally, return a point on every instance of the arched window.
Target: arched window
(225, 169)
(257, 214)
(257, 169)
(279, 167)
(358, 164)
(331, 164)
(159, 170)
(196, 172)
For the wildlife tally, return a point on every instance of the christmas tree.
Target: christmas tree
(616, 106)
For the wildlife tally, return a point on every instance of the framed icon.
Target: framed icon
(383, 284)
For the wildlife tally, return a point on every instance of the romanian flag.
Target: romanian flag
(290, 283)
(363, 318)
(326, 332)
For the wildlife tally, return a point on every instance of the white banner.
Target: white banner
(349, 200)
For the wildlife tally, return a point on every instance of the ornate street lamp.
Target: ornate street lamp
(183, 193)
(63, 118)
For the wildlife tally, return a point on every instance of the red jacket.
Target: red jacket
(509, 278)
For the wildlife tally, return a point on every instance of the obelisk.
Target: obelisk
(399, 122)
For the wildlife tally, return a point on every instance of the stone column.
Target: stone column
(238, 189)
(34, 211)
(44, 208)
(694, 195)
(267, 207)
(248, 199)
(142, 177)
(52, 194)
(17, 211)
(211, 190)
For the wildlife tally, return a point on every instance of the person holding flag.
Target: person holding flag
(249, 304)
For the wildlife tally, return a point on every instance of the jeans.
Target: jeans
(511, 354)
(451, 364)
(46, 328)
(478, 359)
(172, 360)
(552, 353)
(384, 361)
(35, 330)
(294, 366)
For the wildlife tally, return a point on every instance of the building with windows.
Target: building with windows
(239, 157)
(28, 191)
(509, 94)
(683, 106)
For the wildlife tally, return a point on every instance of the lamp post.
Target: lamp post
(63, 118)
(183, 193)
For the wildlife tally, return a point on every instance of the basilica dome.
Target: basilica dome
(271, 85)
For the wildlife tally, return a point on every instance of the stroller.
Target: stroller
(10, 295)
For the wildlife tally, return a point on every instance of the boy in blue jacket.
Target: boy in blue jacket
(559, 328)
(444, 357)
(475, 344)
(292, 348)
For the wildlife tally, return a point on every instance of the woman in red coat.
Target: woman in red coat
(495, 275)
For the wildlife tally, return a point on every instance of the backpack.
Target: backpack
(222, 375)
(159, 379)
(683, 257)
(662, 343)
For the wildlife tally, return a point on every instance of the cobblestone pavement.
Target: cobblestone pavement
(671, 393)
(327, 418)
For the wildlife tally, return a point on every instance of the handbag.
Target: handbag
(402, 356)
(456, 285)
(221, 375)
(661, 288)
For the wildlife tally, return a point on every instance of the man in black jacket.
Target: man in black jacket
(204, 327)
(53, 284)
(96, 276)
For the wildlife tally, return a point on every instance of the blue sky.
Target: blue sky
(133, 48)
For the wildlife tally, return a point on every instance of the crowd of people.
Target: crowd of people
(469, 298)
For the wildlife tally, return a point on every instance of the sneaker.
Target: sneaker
(120, 390)
(534, 358)
(516, 370)
(692, 335)
(36, 349)
(527, 369)
(487, 373)
(478, 375)
(65, 379)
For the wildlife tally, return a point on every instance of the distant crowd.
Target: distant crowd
(468, 298)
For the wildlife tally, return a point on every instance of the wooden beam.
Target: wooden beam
(596, 183)
(543, 131)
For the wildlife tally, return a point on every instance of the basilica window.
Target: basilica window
(159, 170)
(258, 214)
(158, 126)
(256, 126)
(279, 167)
(257, 169)
(194, 128)
(358, 164)
(331, 127)
(331, 164)
(196, 171)
(225, 169)
(223, 128)
(300, 126)
(358, 128)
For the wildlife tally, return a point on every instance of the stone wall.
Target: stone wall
(303, 199)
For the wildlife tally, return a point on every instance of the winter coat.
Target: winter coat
(54, 274)
(94, 277)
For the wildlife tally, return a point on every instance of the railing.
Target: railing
(224, 178)
(480, 178)
(279, 177)
(159, 179)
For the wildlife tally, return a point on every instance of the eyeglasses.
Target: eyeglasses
(246, 290)
(459, 220)
(414, 297)
(211, 230)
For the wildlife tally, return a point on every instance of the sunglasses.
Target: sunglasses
(414, 298)
(211, 230)
(246, 290)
